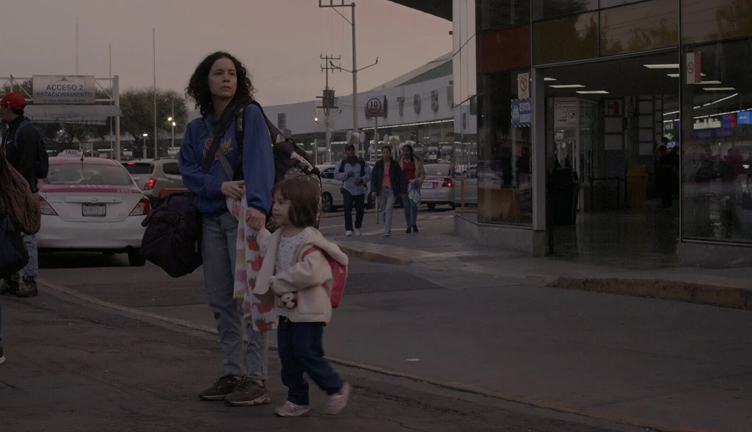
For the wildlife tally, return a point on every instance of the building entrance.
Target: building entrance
(607, 172)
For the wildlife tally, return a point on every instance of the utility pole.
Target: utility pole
(338, 4)
(154, 53)
(328, 101)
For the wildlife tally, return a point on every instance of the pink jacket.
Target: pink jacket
(311, 277)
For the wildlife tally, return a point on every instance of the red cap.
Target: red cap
(13, 100)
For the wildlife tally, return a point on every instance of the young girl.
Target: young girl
(296, 277)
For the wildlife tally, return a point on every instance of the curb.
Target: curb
(466, 388)
(372, 255)
(663, 289)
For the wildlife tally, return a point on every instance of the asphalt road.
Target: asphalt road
(74, 367)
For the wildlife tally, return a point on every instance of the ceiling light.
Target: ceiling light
(566, 86)
(662, 66)
(675, 75)
(710, 82)
(592, 92)
(719, 89)
(549, 79)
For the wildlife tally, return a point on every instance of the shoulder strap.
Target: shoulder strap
(214, 150)
(277, 135)
(362, 167)
(18, 129)
(341, 166)
(310, 250)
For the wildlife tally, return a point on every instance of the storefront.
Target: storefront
(596, 87)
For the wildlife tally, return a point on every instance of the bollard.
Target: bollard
(462, 197)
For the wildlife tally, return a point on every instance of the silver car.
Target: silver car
(154, 175)
(439, 186)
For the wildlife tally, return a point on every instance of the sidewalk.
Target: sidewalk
(438, 244)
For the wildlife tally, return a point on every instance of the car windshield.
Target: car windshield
(95, 175)
(136, 168)
(438, 170)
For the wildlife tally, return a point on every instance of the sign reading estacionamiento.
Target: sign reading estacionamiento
(64, 89)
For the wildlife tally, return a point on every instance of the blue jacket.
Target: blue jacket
(258, 163)
(349, 182)
(396, 177)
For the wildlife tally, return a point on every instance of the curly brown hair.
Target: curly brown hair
(198, 86)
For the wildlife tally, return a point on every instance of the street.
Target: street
(436, 341)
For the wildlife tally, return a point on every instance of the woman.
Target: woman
(415, 175)
(387, 182)
(221, 83)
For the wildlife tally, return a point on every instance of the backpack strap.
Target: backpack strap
(362, 167)
(214, 150)
(310, 250)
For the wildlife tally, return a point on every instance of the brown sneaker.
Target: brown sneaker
(8, 286)
(222, 388)
(28, 287)
(250, 392)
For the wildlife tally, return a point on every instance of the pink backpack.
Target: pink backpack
(339, 276)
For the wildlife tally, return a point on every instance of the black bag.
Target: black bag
(13, 254)
(172, 239)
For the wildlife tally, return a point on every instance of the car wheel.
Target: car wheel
(327, 205)
(453, 205)
(431, 206)
(135, 259)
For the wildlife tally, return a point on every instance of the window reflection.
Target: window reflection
(492, 14)
(717, 141)
(544, 9)
(565, 39)
(504, 164)
(639, 27)
(709, 20)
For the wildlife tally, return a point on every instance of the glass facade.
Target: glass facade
(716, 125)
(504, 151)
(709, 133)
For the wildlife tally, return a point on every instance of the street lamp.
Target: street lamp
(169, 119)
(145, 138)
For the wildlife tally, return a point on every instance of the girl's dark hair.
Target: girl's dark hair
(412, 152)
(198, 86)
(304, 199)
(386, 148)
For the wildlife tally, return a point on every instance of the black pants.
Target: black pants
(359, 201)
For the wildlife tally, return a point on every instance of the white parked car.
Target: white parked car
(91, 204)
(439, 186)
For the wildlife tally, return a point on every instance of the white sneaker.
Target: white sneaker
(290, 409)
(358, 232)
(387, 233)
(348, 233)
(338, 401)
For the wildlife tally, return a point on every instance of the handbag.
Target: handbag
(13, 254)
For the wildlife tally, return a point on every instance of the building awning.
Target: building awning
(439, 8)
(72, 114)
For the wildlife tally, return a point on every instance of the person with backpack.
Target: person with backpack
(387, 182)
(299, 275)
(415, 175)
(24, 149)
(355, 174)
(221, 87)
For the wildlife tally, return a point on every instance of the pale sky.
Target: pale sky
(279, 41)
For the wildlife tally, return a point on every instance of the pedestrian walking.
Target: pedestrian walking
(387, 182)
(220, 83)
(355, 174)
(415, 175)
(297, 278)
(22, 143)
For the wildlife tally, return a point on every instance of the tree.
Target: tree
(138, 117)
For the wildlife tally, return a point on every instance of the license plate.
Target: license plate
(96, 210)
(429, 185)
